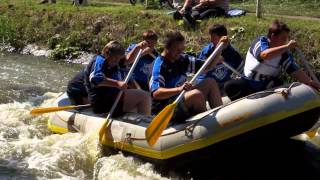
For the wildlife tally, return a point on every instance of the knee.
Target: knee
(211, 86)
(210, 82)
(197, 95)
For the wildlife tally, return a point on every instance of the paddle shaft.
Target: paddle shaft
(232, 69)
(203, 67)
(126, 82)
(38, 111)
(307, 65)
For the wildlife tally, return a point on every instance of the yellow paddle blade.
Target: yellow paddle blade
(101, 131)
(104, 130)
(159, 123)
(37, 111)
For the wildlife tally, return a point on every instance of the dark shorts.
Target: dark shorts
(239, 88)
(76, 95)
(181, 112)
(103, 102)
(206, 12)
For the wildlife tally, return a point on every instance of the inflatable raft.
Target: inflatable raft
(270, 115)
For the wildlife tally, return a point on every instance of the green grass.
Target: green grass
(282, 7)
(67, 29)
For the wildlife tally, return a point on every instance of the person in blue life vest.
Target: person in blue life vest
(143, 70)
(76, 89)
(169, 79)
(229, 55)
(104, 80)
(265, 59)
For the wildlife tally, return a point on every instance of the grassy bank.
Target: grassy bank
(67, 29)
(309, 8)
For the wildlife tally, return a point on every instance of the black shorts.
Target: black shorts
(76, 94)
(181, 112)
(238, 88)
(103, 102)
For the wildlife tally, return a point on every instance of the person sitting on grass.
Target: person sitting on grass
(104, 80)
(200, 9)
(229, 55)
(266, 57)
(143, 70)
(169, 78)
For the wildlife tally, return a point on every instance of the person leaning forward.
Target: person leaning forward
(266, 57)
(169, 77)
(104, 80)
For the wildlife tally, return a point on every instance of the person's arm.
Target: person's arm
(302, 77)
(132, 52)
(158, 83)
(107, 82)
(218, 59)
(148, 51)
(98, 78)
(270, 53)
(165, 93)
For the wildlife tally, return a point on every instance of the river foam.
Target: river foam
(30, 151)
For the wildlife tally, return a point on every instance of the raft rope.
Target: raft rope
(189, 128)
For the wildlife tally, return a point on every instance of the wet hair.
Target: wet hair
(113, 48)
(172, 38)
(277, 27)
(218, 29)
(150, 35)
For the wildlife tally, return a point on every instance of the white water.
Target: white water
(28, 150)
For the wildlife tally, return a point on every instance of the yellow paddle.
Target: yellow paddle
(108, 122)
(160, 122)
(38, 111)
(311, 133)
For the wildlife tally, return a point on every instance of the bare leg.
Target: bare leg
(195, 101)
(211, 92)
(136, 100)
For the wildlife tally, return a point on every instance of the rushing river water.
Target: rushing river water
(29, 151)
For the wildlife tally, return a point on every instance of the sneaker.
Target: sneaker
(177, 15)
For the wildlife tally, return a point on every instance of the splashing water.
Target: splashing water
(28, 150)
